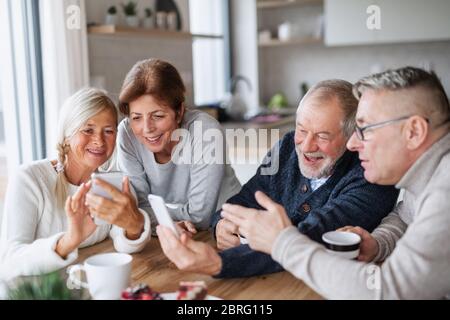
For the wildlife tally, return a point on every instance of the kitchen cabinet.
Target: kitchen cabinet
(400, 21)
(244, 157)
(293, 25)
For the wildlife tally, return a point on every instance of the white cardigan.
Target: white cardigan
(32, 225)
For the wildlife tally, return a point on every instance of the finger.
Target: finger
(180, 227)
(84, 206)
(184, 239)
(346, 228)
(99, 215)
(163, 239)
(228, 242)
(99, 203)
(265, 202)
(77, 197)
(236, 218)
(126, 185)
(190, 227)
(88, 185)
(167, 238)
(228, 226)
(68, 206)
(359, 231)
(82, 191)
(237, 209)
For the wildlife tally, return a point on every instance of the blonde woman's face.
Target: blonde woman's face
(153, 123)
(94, 143)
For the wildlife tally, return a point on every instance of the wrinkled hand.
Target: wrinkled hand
(186, 227)
(121, 211)
(369, 246)
(80, 223)
(188, 254)
(260, 227)
(227, 234)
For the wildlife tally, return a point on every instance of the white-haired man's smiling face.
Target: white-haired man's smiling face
(319, 139)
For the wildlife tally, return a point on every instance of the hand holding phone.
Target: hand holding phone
(114, 178)
(161, 213)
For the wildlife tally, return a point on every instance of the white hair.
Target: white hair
(75, 112)
(436, 105)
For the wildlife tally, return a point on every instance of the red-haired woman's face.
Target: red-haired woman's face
(152, 123)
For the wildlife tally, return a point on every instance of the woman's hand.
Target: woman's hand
(368, 248)
(80, 223)
(121, 211)
(186, 227)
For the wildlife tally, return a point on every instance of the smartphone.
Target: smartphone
(114, 178)
(162, 214)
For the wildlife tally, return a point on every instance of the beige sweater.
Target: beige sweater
(414, 243)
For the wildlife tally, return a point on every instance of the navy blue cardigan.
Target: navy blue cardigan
(345, 199)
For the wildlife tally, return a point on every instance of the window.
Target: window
(211, 55)
(21, 91)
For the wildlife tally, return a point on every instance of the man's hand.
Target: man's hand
(188, 254)
(186, 227)
(226, 234)
(260, 227)
(369, 246)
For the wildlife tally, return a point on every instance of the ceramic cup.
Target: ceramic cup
(107, 275)
(343, 244)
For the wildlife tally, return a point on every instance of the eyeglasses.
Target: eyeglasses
(360, 131)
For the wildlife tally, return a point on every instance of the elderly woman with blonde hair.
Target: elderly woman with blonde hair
(48, 212)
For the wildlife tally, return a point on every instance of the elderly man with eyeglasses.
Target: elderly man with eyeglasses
(403, 138)
(319, 182)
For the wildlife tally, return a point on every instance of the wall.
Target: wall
(284, 68)
(111, 57)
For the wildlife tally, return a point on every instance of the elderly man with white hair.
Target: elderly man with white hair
(319, 182)
(402, 137)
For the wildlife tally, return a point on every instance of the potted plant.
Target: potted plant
(44, 287)
(111, 16)
(130, 11)
(148, 20)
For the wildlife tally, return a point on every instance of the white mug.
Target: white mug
(161, 20)
(285, 31)
(107, 275)
(342, 243)
(172, 21)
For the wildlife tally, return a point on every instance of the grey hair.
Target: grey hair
(75, 112)
(342, 91)
(406, 78)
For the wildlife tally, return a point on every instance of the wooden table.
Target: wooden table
(151, 266)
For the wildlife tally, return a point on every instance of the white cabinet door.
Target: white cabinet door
(413, 20)
(345, 22)
(400, 21)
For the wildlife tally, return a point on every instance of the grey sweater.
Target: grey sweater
(193, 188)
(414, 240)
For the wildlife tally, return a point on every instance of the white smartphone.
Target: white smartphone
(114, 178)
(162, 214)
